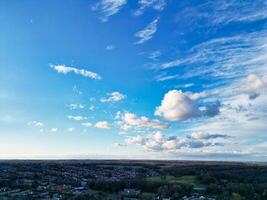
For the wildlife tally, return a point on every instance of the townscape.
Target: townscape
(91, 179)
(133, 100)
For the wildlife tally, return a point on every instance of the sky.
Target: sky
(124, 79)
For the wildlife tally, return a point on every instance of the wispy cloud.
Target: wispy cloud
(148, 32)
(74, 106)
(54, 129)
(187, 85)
(113, 97)
(36, 123)
(107, 8)
(76, 90)
(87, 124)
(154, 55)
(158, 5)
(215, 14)
(65, 70)
(164, 77)
(76, 118)
(228, 57)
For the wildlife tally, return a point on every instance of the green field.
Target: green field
(182, 179)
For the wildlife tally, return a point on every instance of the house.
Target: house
(130, 194)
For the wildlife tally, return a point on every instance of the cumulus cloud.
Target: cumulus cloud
(254, 85)
(75, 106)
(159, 142)
(87, 124)
(177, 106)
(138, 140)
(131, 121)
(158, 5)
(76, 118)
(113, 97)
(65, 70)
(36, 123)
(147, 33)
(108, 8)
(102, 124)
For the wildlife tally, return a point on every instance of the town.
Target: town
(88, 179)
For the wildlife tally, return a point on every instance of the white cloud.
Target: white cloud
(196, 95)
(154, 55)
(187, 85)
(132, 121)
(176, 106)
(92, 108)
(138, 140)
(158, 5)
(54, 129)
(75, 106)
(76, 118)
(65, 70)
(87, 124)
(110, 47)
(223, 58)
(102, 124)
(170, 64)
(164, 77)
(108, 8)
(148, 32)
(236, 69)
(239, 116)
(113, 97)
(254, 85)
(159, 142)
(205, 136)
(36, 123)
(218, 13)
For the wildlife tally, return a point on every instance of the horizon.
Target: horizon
(146, 80)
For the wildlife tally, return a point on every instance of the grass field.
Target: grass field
(182, 179)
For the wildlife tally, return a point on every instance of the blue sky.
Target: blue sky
(146, 79)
